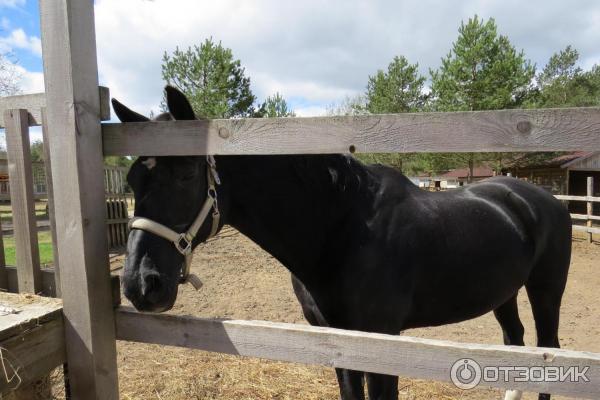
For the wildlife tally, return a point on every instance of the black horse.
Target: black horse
(368, 250)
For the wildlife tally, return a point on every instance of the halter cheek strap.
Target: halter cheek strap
(183, 241)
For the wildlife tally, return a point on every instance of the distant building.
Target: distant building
(565, 174)
(459, 177)
(451, 179)
(39, 178)
(114, 179)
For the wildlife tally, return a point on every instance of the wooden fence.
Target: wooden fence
(38, 173)
(116, 206)
(506, 130)
(589, 217)
(78, 141)
(17, 114)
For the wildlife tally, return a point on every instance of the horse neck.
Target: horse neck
(295, 206)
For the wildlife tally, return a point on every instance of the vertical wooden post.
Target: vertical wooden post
(73, 121)
(29, 275)
(22, 202)
(3, 272)
(50, 194)
(590, 205)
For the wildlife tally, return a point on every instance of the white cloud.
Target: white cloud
(311, 111)
(29, 82)
(320, 52)
(4, 23)
(18, 39)
(12, 3)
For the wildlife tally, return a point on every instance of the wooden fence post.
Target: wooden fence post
(29, 275)
(590, 205)
(3, 271)
(50, 193)
(22, 202)
(73, 121)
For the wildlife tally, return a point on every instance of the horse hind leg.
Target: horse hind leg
(545, 305)
(382, 387)
(545, 288)
(351, 383)
(512, 329)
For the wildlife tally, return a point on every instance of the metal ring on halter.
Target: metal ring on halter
(186, 248)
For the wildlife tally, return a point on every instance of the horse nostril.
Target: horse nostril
(151, 283)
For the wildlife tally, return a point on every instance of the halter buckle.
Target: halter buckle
(183, 245)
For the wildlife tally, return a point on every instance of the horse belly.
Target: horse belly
(464, 292)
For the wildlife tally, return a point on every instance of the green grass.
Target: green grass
(44, 243)
(6, 212)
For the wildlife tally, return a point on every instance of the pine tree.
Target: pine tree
(398, 90)
(274, 106)
(212, 80)
(483, 71)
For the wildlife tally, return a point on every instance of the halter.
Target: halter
(183, 241)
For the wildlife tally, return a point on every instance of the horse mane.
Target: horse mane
(337, 174)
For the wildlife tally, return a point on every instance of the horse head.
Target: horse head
(175, 210)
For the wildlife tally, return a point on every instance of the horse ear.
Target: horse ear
(125, 114)
(179, 106)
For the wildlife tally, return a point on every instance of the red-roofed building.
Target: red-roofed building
(459, 177)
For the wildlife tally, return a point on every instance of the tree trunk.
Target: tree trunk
(470, 177)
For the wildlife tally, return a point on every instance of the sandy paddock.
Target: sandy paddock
(241, 281)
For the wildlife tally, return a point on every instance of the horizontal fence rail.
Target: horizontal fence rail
(478, 131)
(34, 103)
(385, 354)
(589, 217)
(577, 198)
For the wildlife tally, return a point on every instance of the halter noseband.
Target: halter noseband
(183, 241)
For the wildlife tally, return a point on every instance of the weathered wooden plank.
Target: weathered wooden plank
(71, 78)
(29, 310)
(31, 340)
(504, 131)
(590, 207)
(36, 196)
(577, 198)
(22, 202)
(386, 354)
(34, 103)
(585, 217)
(3, 272)
(31, 102)
(50, 193)
(49, 283)
(586, 229)
(118, 221)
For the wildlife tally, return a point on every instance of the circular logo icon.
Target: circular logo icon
(465, 373)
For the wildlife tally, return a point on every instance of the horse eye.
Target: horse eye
(188, 177)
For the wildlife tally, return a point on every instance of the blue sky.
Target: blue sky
(23, 15)
(315, 53)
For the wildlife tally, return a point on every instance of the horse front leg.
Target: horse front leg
(351, 384)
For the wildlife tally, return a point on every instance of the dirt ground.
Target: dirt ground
(241, 281)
